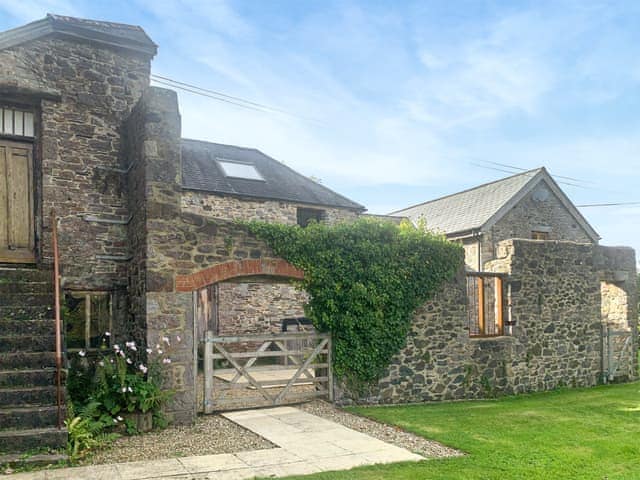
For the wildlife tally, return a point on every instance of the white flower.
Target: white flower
(129, 361)
(82, 353)
(157, 346)
(115, 420)
(121, 353)
(131, 345)
(123, 389)
(101, 363)
(143, 369)
(166, 340)
(178, 338)
(119, 418)
(160, 352)
(116, 347)
(166, 360)
(107, 334)
(149, 350)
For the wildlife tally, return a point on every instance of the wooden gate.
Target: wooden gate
(617, 354)
(249, 371)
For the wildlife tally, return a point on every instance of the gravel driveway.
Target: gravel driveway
(214, 434)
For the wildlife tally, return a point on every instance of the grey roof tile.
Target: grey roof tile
(469, 209)
(201, 171)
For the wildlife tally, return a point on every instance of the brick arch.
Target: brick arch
(275, 267)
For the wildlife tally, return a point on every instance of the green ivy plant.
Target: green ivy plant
(364, 279)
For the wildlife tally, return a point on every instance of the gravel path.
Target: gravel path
(211, 434)
(381, 431)
(214, 434)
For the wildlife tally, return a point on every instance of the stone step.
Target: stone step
(27, 378)
(28, 343)
(43, 326)
(29, 287)
(27, 360)
(25, 440)
(21, 418)
(25, 275)
(26, 312)
(22, 396)
(28, 462)
(26, 299)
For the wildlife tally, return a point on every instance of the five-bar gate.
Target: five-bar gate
(265, 370)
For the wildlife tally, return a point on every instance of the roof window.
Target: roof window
(235, 169)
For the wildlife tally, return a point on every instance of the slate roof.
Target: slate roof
(118, 35)
(201, 171)
(474, 209)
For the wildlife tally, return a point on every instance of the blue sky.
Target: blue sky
(396, 101)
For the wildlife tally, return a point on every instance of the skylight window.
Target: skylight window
(239, 170)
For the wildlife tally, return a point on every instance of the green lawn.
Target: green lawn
(570, 434)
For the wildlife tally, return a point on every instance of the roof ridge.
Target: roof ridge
(57, 17)
(527, 172)
(220, 144)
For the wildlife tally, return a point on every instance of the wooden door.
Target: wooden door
(16, 203)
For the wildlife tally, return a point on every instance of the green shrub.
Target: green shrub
(364, 279)
(88, 430)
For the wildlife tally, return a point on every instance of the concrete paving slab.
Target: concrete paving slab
(305, 444)
(149, 469)
(212, 463)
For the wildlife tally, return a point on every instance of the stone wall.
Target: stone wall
(257, 307)
(556, 304)
(82, 93)
(225, 207)
(540, 209)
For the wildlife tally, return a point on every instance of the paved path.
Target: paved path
(305, 444)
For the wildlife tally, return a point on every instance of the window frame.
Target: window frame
(24, 111)
(222, 161)
(480, 302)
(318, 214)
(539, 235)
(87, 294)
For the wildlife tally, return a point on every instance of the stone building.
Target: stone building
(527, 205)
(144, 217)
(150, 245)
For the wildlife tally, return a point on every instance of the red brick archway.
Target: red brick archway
(238, 268)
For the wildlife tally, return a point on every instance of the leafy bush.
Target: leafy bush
(112, 382)
(364, 280)
(87, 430)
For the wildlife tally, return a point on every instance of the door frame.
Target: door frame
(30, 256)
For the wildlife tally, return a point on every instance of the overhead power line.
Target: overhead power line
(608, 204)
(525, 169)
(223, 97)
(511, 171)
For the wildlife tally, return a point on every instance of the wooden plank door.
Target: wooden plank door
(16, 203)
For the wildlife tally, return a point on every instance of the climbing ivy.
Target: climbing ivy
(364, 280)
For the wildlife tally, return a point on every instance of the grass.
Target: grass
(567, 434)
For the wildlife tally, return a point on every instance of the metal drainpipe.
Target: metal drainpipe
(478, 235)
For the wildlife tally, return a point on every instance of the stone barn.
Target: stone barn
(150, 245)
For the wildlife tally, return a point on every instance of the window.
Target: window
(485, 304)
(538, 235)
(87, 316)
(306, 215)
(19, 123)
(234, 169)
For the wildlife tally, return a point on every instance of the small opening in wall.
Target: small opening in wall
(537, 235)
(87, 316)
(308, 215)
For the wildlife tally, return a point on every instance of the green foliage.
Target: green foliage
(88, 430)
(120, 380)
(364, 280)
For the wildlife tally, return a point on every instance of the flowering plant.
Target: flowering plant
(128, 379)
